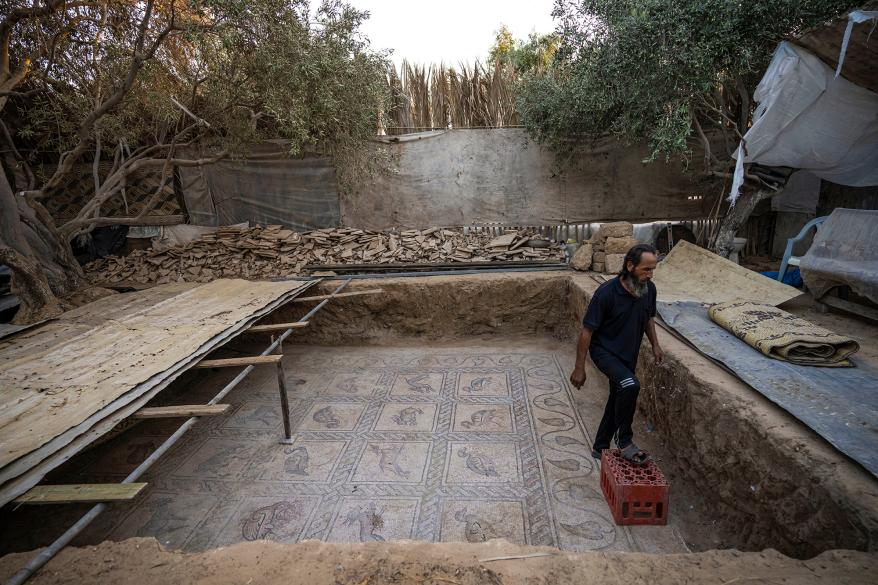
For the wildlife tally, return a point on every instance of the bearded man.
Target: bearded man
(620, 312)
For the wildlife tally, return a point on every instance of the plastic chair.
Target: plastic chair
(788, 258)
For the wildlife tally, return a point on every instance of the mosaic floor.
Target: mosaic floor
(451, 444)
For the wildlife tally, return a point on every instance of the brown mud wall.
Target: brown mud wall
(437, 308)
(767, 480)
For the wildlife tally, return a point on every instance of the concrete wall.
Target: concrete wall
(462, 176)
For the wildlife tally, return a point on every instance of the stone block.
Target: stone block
(614, 263)
(617, 229)
(619, 245)
(597, 266)
(599, 256)
(582, 258)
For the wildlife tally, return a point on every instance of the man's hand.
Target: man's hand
(577, 378)
(659, 355)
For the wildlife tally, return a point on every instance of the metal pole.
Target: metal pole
(50, 551)
(284, 404)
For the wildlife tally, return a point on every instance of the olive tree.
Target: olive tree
(676, 73)
(144, 85)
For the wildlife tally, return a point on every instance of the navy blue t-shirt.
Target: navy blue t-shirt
(618, 319)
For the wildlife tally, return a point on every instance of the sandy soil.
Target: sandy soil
(314, 563)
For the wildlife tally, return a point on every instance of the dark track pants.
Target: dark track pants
(621, 404)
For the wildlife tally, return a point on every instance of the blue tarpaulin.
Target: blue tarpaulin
(840, 404)
(792, 277)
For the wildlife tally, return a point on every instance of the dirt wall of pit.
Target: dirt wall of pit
(771, 481)
(438, 308)
(768, 480)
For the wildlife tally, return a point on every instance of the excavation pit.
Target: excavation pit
(439, 411)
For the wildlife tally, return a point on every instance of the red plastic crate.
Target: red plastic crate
(635, 494)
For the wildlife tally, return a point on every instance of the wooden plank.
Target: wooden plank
(185, 410)
(850, 307)
(80, 493)
(277, 327)
(88, 412)
(357, 293)
(255, 360)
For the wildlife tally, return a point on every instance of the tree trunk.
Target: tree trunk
(737, 216)
(42, 264)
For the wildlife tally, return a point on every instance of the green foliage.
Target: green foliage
(647, 69)
(245, 71)
(533, 56)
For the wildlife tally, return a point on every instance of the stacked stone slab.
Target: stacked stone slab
(274, 251)
(582, 257)
(610, 244)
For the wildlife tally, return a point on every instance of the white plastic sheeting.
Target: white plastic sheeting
(844, 252)
(809, 119)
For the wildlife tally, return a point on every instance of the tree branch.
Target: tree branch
(71, 226)
(139, 58)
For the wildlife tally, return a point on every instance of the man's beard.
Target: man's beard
(637, 288)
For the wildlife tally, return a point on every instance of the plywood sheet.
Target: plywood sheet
(61, 377)
(691, 273)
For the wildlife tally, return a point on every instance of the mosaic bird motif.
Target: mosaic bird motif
(475, 529)
(220, 462)
(416, 384)
(477, 385)
(483, 418)
(326, 416)
(407, 416)
(296, 462)
(388, 459)
(163, 520)
(478, 463)
(263, 522)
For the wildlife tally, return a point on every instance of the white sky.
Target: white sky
(449, 30)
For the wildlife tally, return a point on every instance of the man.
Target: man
(620, 311)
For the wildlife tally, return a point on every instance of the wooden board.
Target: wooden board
(691, 273)
(184, 410)
(256, 360)
(145, 343)
(81, 493)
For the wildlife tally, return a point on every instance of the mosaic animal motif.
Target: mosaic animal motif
(220, 463)
(483, 418)
(388, 459)
(264, 415)
(348, 385)
(265, 522)
(407, 416)
(296, 462)
(369, 519)
(139, 451)
(163, 520)
(477, 385)
(327, 417)
(416, 384)
(475, 529)
(478, 463)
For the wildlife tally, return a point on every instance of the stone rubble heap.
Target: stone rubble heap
(273, 251)
(605, 250)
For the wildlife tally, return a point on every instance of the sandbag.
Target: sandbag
(783, 336)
